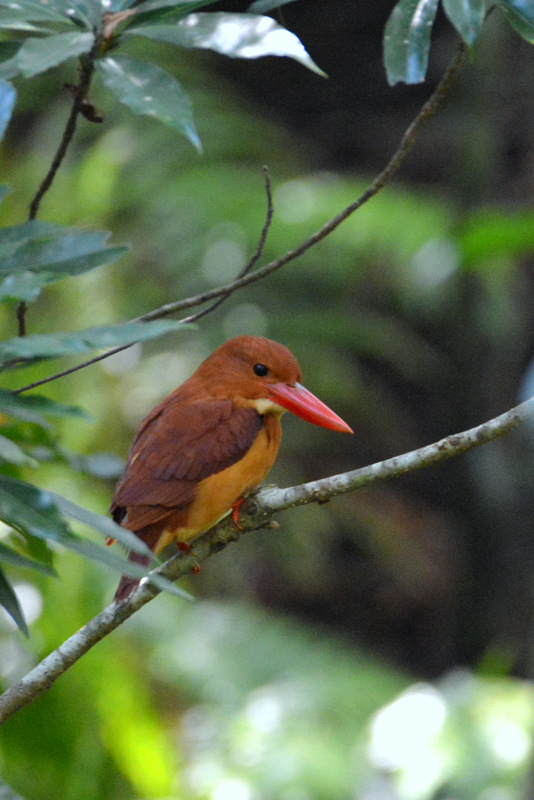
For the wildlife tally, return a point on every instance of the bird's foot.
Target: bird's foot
(235, 512)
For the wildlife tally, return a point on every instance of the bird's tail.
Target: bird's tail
(150, 536)
(128, 584)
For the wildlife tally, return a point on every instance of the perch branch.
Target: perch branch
(255, 513)
(248, 276)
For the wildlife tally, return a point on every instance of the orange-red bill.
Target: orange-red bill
(305, 405)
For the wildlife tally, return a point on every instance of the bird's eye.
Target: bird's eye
(260, 370)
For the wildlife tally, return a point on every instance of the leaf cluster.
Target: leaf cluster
(407, 35)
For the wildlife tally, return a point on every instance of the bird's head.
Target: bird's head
(258, 372)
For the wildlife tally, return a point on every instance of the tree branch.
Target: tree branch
(247, 277)
(255, 513)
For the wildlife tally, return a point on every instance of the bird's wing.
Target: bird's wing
(180, 444)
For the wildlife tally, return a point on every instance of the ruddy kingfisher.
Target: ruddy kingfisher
(201, 450)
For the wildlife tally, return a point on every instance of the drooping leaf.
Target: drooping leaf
(13, 454)
(147, 89)
(14, 559)
(262, 6)
(7, 101)
(33, 408)
(53, 249)
(407, 40)
(37, 55)
(104, 525)
(467, 16)
(520, 15)
(9, 600)
(234, 35)
(31, 510)
(30, 348)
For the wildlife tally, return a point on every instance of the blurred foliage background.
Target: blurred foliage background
(377, 647)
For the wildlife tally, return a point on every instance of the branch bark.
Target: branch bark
(255, 513)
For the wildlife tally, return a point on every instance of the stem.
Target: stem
(87, 66)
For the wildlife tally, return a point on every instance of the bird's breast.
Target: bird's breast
(215, 494)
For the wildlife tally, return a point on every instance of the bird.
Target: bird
(201, 450)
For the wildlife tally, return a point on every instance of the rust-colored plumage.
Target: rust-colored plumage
(207, 444)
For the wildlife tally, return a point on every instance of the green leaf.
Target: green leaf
(51, 250)
(7, 101)
(35, 10)
(30, 510)
(9, 556)
(467, 16)
(25, 286)
(38, 55)
(102, 524)
(520, 15)
(32, 408)
(407, 40)
(30, 348)
(183, 7)
(261, 6)
(147, 89)
(4, 191)
(234, 35)
(13, 454)
(9, 600)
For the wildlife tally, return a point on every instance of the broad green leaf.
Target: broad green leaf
(104, 525)
(35, 11)
(262, 6)
(38, 55)
(8, 49)
(9, 556)
(7, 101)
(33, 408)
(520, 15)
(25, 286)
(30, 510)
(9, 600)
(4, 191)
(13, 454)
(234, 35)
(184, 7)
(467, 16)
(13, 24)
(51, 249)
(407, 40)
(147, 89)
(30, 348)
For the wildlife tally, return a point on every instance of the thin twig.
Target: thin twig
(193, 317)
(408, 140)
(255, 258)
(255, 513)
(80, 91)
